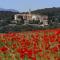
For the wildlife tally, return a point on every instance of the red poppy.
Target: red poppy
(35, 50)
(45, 39)
(40, 50)
(30, 52)
(18, 50)
(21, 52)
(58, 46)
(14, 45)
(57, 58)
(4, 49)
(47, 46)
(22, 55)
(52, 39)
(4, 41)
(27, 43)
(33, 58)
(54, 49)
(41, 55)
(59, 40)
(23, 43)
(57, 32)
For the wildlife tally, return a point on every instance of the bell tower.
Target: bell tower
(29, 11)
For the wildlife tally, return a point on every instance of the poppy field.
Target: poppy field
(30, 45)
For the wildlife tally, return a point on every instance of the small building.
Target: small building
(30, 16)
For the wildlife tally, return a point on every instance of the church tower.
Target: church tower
(29, 11)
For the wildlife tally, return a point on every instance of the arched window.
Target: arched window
(20, 17)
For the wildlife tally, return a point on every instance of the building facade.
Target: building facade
(30, 16)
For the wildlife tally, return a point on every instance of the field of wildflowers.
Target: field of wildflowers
(30, 45)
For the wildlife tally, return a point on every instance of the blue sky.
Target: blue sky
(25, 5)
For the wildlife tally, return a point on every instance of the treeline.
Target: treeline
(52, 13)
(48, 11)
(7, 15)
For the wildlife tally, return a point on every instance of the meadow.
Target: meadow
(30, 45)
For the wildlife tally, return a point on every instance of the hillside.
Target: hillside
(46, 11)
(9, 13)
(6, 16)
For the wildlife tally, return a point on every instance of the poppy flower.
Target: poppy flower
(59, 40)
(57, 32)
(22, 55)
(14, 45)
(4, 49)
(52, 40)
(33, 58)
(47, 46)
(40, 50)
(57, 58)
(23, 43)
(21, 52)
(54, 49)
(27, 43)
(18, 50)
(59, 46)
(30, 53)
(4, 41)
(35, 50)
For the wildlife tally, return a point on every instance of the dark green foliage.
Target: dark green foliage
(22, 28)
(6, 18)
(52, 13)
(7, 15)
(20, 22)
(34, 21)
(48, 11)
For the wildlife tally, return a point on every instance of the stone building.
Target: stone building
(30, 16)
